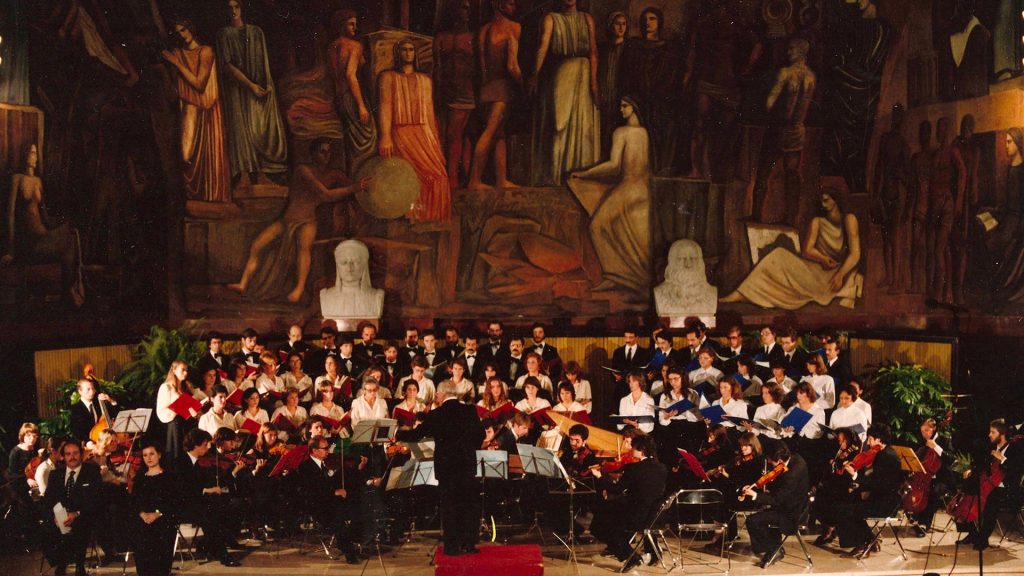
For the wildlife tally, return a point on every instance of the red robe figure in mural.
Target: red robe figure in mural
(408, 129)
(203, 146)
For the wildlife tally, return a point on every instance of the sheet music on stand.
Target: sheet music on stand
(374, 431)
(422, 451)
(540, 461)
(133, 421)
(413, 473)
(909, 461)
(492, 464)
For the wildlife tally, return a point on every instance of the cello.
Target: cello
(919, 484)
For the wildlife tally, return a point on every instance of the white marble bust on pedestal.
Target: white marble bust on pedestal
(686, 291)
(352, 296)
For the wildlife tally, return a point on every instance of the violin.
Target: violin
(769, 477)
(613, 466)
(32, 466)
(396, 449)
(863, 460)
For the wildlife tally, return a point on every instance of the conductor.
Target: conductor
(457, 434)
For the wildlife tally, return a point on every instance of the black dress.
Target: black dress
(154, 543)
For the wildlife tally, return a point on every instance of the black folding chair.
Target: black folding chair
(880, 523)
(653, 538)
(801, 526)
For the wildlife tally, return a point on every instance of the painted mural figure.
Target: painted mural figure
(652, 70)
(294, 232)
(960, 239)
(31, 235)
(610, 65)
(347, 60)
(408, 129)
(203, 149)
(620, 210)
(454, 61)
(1008, 244)
(352, 296)
(945, 203)
(783, 146)
(498, 47)
(890, 197)
(256, 135)
(566, 122)
(921, 257)
(825, 270)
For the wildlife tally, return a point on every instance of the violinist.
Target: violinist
(217, 416)
(748, 466)
(52, 458)
(200, 490)
(490, 434)
(250, 409)
(785, 494)
(155, 501)
(87, 411)
(291, 411)
(327, 497)
(630, 502)
(718, 451)
(21, 455)
(578, 459)
(875, 491)
(517, 429)
(1002, 469)
(834, 485)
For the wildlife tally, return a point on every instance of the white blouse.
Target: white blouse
(545, 382)
(242, 415)
(300, 384)
(848, 418)
(583, 394)
(425, 386)
(699, 375)
(166, 396)
(768, 412)
(811, 429)
(864, 407)
(644, 406)
(574, 407)
(539, 404)
(669, 398)
(361, 410)
(735, 408)
(825, 387)
(297, 419)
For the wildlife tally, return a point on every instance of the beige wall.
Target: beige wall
(53, 367)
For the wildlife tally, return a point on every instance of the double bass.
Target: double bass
(919, 484)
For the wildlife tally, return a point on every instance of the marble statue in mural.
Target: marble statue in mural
(291, 236)
(33, 238)
(826, 269)
(256, 135)
(408, 129)
(347, 62)
(566, 122)
(685, 291)
(616, 194)
(501, 78)
(352, 295)
(203, 147)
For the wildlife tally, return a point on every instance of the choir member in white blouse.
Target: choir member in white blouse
(771, 394)
(296, 378)
(732, 400)
(806, 400)
(858, 400)
(419, 367)
(369, 406)
(532, 402)
(325, 405)
(236, 377)
(291, 410)
(251, 409)
(779, 377)
(410, 401)
(847, 415)
(750, 382)
(533, 362)
(636, 403)
(706, 372)
(217, 416)
(377, 373)
(817, 377)
(466, 389)
(567, 402)
(678, 391)
(573, 375)
(168, 392)
(204, 394)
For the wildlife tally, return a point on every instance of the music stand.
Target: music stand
(423, 450)
(490, 464)
(909, 461)
(570, 539)
(132, 422)
(413, 473)
(370, 431)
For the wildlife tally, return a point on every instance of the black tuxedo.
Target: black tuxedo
(218, 515)
(84, 498)
(549, 357)
(82, 420)
(840, 371)
(507, 441)
(457, 434)
(393, 372)
(881, 482)
(506, 371)
(491, 352)
(675, 357)
(252, 358)
(639, 493)
(209, 362)
(405, 353)
(367, 352)
(317, 486)
(787, 498)
(641, 356)
(436, 358)
(796, 363)
(475, 372)
(356, 371)
(454, 351)
(733, 356)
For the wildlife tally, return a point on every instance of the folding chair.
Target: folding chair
(801, 526)
(696, 512)
(311, 529)
(180, 539)
(880, 523)
(653, 536)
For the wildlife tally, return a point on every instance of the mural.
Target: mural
(510, 157)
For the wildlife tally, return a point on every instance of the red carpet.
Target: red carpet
(492, 561)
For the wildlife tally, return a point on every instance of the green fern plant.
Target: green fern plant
(153, 358)
(907, 394)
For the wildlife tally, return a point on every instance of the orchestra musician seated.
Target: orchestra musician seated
(834, 485)
(729, 479)
(786, 485)
(201, 489)
(518, 429)
(74, 484)
(630, 502)
(327, 495)
(875, 488)
(579, 458)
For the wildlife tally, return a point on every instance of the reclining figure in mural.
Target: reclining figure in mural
(295, 231)
(352, 295)
(33, 238)
(826, 269)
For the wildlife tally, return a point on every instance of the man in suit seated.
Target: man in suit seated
(631, 502)
(76, 486)
(87, 412)
(786, 499)
(875, 492)
(329, 499)
(205, 499)
(517, 429)
(457, 434)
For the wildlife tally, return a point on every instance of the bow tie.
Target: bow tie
(470, 355)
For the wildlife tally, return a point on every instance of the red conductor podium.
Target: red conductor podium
(492, 561)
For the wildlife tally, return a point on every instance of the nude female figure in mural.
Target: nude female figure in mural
(498, 43)
(346, 63)
(311, 185)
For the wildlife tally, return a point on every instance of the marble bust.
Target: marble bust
(686, 291)
(352, 296)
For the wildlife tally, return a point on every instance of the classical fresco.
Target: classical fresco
(533, 158)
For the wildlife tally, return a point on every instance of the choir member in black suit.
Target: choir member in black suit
(632, 500)
(294, 345)
(696, 338)
(1005, 462)
(75, 485)
(412, 347)
(452, 348)
(876, 493)
(348, 363)
(329, 498)
(662, 352)
(474, 362)
(435, 357)
(552, 362)
(213, 357)
(786, 498)
(367, 350)
(394, 368)
(629, 356)
(512, 364)
(203, 495)
(838, 364)
(247, 351)
(793, 356)
(735, 348)
(87, 412)
(457, 434)
(495, 344)
(767, 352)
(155, 502)
(315, 358)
